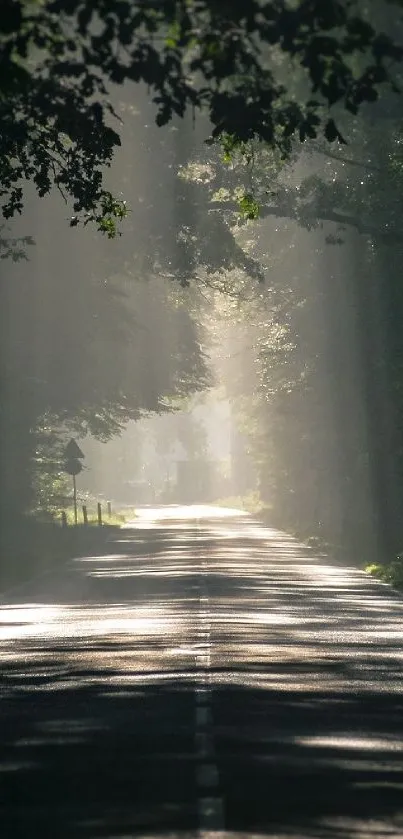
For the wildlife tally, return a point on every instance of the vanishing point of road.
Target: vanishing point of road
(206, 676)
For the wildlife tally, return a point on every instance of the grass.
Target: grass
(251, 503)
(391, 573)
(116, 519)
(127, 514)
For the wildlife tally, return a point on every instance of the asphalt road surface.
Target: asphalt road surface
(208, 677)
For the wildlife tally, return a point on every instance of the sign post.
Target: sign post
(75, 498)
(73, 466)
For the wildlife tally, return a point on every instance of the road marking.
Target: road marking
(207, 775)
(203, 695)
(210, 810)
(203, 716)
(204, 745)
(211, 816)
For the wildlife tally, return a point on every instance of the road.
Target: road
(208, 677)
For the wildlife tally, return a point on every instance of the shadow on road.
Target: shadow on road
(98, 761)
(316, 765)
(97, 725)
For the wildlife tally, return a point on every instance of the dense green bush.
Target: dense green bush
(391, 573)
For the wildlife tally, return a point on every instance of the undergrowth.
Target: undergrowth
(391, 572)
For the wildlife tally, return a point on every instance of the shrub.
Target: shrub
(391, 573)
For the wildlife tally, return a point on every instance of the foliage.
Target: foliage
(115, 520)
(85, 367)
(391, 572)
(248, 206)
(58, 57)
(251, 503)
(50, 483)
(12, 247)
(317, 374)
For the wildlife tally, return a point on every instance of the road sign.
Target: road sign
(73, 451)
(72, 466)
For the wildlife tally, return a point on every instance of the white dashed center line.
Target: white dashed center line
(211, 816)
(210, 805)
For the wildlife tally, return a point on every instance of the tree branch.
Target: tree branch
(350, 161)
(305, 215)
(302, 215)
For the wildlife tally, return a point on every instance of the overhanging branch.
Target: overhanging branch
(307, 217)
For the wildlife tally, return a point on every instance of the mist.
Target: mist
(242, 358)
(201, 419)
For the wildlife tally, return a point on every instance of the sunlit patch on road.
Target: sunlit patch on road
(342, 740)
(182, 512)
(208, 651)
(59, 622)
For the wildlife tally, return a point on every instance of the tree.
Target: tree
(58, 59)
(85, 355)
(319, 379)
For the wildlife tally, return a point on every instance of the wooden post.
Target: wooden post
(109, 510)
(99, 514)
(75, 499)
(85, 514)
(64, 519)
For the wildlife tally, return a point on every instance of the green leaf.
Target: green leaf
(248, 206)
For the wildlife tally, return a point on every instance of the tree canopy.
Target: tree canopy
(270, 71)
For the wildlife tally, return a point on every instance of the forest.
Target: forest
(202, 200)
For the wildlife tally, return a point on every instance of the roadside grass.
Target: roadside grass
(127, 514)
(391, 573)
(116, 519)
(251, 503)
